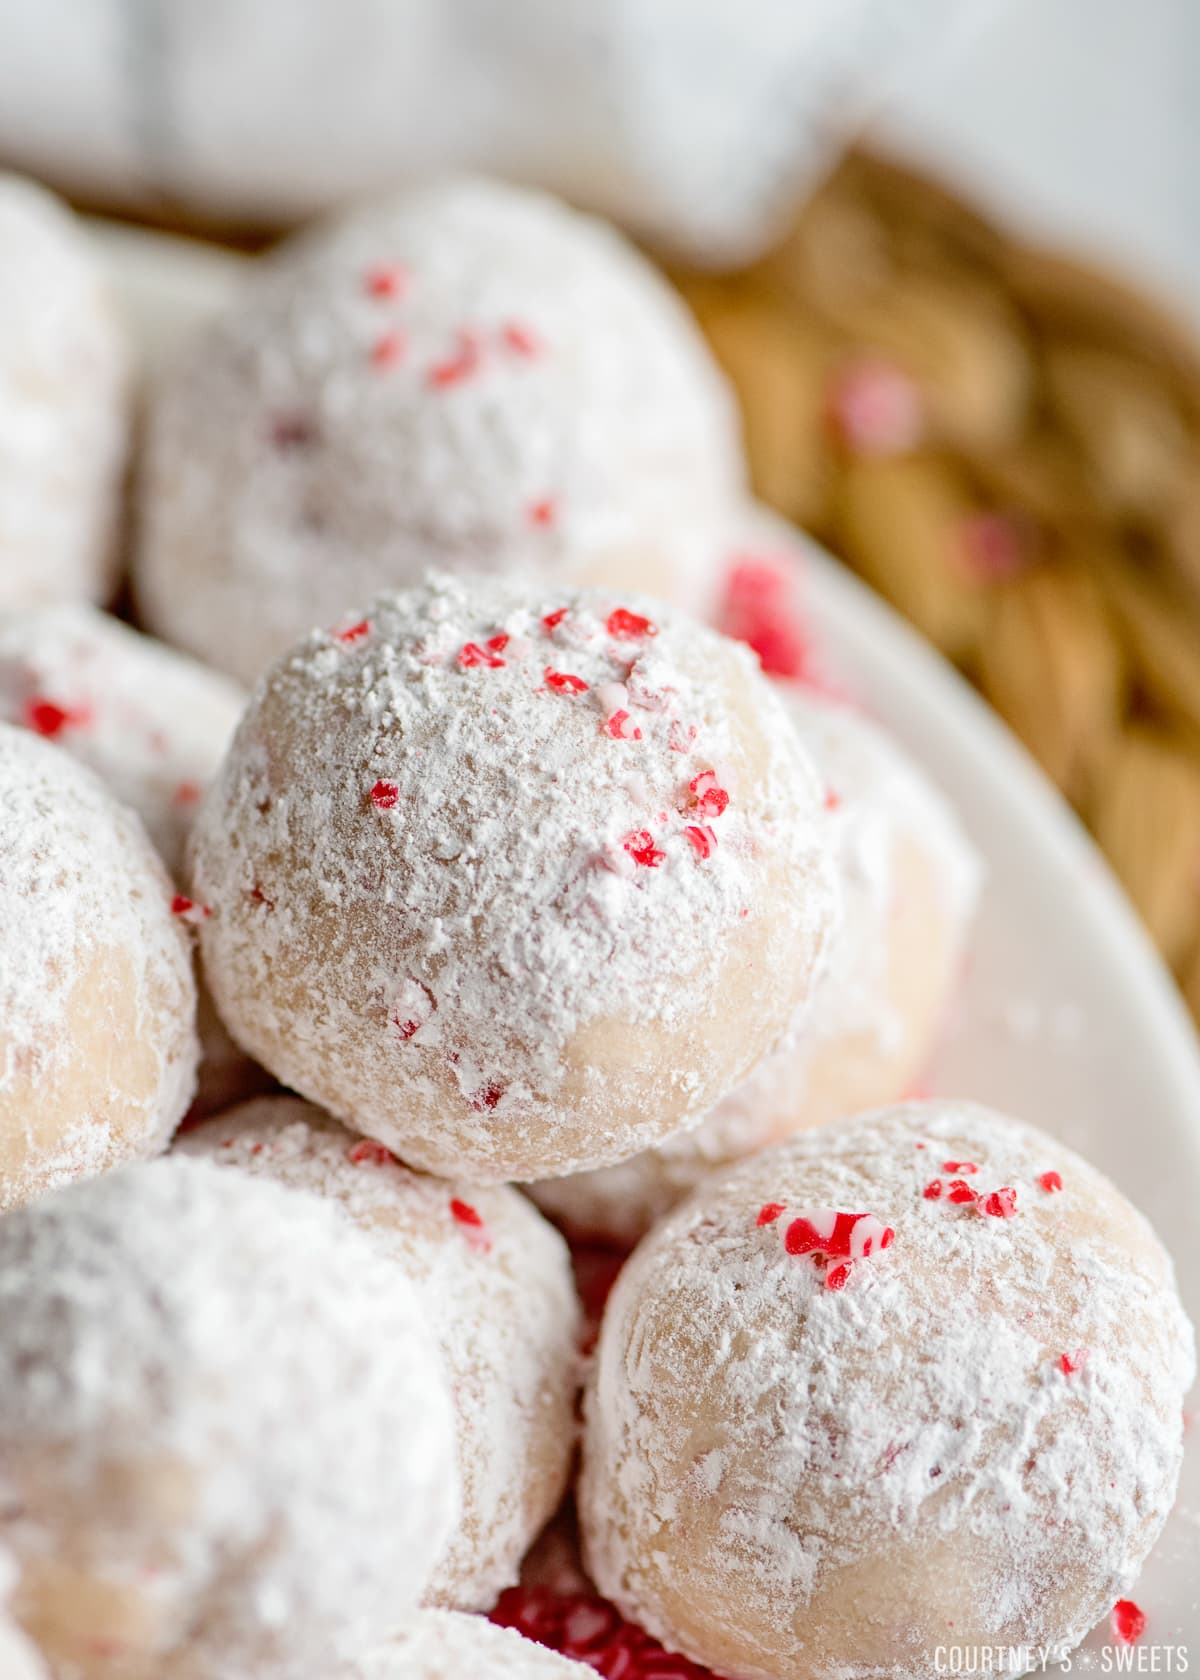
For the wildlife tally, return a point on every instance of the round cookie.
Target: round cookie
(920, 1368)
(494, 875)
(495, 1283)
(63, 407)
(910, 880)
(98, 1044)
(151, 723)
(225, 1440)
(467, 375)
(445, 1645)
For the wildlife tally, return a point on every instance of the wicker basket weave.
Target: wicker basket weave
(1007, 446)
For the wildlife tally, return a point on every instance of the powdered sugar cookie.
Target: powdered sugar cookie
(151, 723)
(468, 375)
(443, 1645)
(909, 884)
(97, 1000)
(63, 407)
(921, 1368)
(494, 875)
(495, 1283)
(225, 1438)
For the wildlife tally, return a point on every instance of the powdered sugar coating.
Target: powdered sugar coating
(910, 880)
(98, 1044)
(452, 908)
(225, 1438)
(151, 723)
(63, 406)
(443, 1645)
(495, 1284)
(782, 1475)
(467, 375)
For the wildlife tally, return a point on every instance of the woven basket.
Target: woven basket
(1007, 446)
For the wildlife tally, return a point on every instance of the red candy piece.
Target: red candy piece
(587, 1628)
(369, 1153)
(757, 609)
(1000, 1204)
(621, 727)
(46, 717)
(562, 682)
(707, 795)
(471, 655)
(543, 512)
(703, 840)
(933, 1189)
(497, 644)
(1069, 1363)
(187, 793)
(386, 282)
(1128, 1621)
(354, 632)
(959, 1190)
(769, 1212)
(188, 911)
(1050, 1182)
(641, 848)
(458, 367)
(959, 1167)
(486, 1097)
(388, 350)
(384, 795)
(520, 338)
(465, 1213)
(850, 1236)
(836, 1276)
(628, 626)
(553, 619)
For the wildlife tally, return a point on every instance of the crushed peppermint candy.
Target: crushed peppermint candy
(384, 796)
(542, 512)
(641, 848)
(464, 363)
(1070, 1363)
(629, 626)
(388, 349)
(702, 840)
(188, 911)
(588, 1629)
(1128, 1621)
(471, 655)
(387, 281)
(828, 1231)
(563, 682)
(517, 336)
(552, 620)
(998, 1204)
(48, 718)
(621, 726)
(354, 632)
(959, 1167)
(368, 1153)
(1050, 1182)
(707, 795)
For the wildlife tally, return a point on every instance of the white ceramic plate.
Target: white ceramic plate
(1067, 1017)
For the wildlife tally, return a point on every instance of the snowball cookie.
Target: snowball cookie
(467, 375)
(150, 722)
(918, 1370)
(225, 1435)
(910, 879)
(63, 409)
(445, 1645)
(513, 880)
(495, 1282)
(98, 1044)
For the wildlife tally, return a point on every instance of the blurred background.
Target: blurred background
(948, 252)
